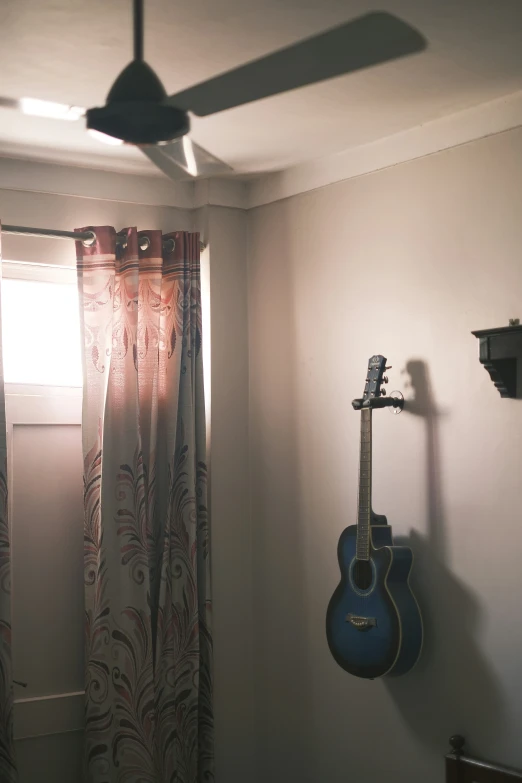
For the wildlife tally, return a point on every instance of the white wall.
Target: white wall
(46, 518)
(404, 262)
(225, 231)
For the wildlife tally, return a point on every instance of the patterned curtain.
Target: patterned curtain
(147, 581)
(7, 759)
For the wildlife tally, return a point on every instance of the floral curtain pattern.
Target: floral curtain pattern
(147, 572)
(7, 756)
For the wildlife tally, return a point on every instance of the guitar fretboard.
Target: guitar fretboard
(365, 487)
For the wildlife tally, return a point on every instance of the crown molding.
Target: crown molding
(465, 126)
(66, 180)
(39, 177)
(220, 193)
(462, 127)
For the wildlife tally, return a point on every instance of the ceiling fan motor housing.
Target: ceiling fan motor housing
(136, 111)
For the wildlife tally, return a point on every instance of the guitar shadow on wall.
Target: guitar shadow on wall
(452, 688)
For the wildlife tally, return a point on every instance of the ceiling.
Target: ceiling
(70, 51)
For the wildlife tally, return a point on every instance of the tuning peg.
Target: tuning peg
(383, 392)
(385, 379)
(388, 368)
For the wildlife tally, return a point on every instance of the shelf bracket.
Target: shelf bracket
(499, 350)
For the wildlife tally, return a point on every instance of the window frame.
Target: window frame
(38, 404)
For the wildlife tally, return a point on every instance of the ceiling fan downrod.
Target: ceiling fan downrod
(136, 110)
(138, 29)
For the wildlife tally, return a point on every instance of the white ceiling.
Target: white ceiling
(71, 50)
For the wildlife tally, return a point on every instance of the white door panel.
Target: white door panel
(46, 513)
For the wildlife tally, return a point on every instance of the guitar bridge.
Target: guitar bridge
(361, 623)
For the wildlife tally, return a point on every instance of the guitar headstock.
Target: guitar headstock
(375, 378)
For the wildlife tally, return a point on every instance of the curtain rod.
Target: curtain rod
(87, 237)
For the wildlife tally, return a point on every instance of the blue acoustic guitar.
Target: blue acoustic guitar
(373, 623)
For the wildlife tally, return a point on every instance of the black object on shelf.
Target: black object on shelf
(499, 350)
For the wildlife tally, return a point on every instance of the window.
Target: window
(41, 333)
(42, 367)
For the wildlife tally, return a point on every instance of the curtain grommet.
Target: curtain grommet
(89, 242)
(169, 245)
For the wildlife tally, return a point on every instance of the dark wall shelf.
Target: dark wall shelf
(499, 350)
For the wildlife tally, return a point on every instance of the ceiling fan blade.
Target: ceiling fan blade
(184, 155)
(368, 40)
(38, 108)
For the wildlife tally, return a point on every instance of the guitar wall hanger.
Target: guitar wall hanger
(395, 401)
(499, 351)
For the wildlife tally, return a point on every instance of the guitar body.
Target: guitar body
(374, 629)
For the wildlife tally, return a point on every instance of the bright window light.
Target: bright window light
(41, 333)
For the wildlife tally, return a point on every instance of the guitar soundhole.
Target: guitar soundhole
(362, 574)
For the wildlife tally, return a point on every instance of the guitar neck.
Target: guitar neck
(365, 487)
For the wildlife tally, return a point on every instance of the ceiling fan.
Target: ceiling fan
(139, 112)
